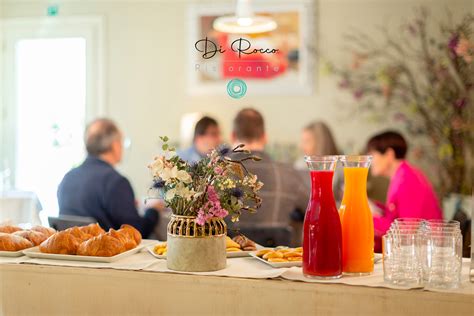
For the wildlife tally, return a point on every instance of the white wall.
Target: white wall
(145, 87)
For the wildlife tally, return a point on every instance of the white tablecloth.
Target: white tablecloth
(249, 268)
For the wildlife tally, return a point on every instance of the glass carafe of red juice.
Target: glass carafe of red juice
(322, 238)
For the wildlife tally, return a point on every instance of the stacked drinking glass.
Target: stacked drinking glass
(420, 252)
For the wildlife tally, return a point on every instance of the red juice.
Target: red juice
(322, 240)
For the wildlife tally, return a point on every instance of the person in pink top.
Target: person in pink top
(410, 194)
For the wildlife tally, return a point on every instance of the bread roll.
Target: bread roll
(101, 246)
(10, 242)
(8, 229)
(92, 229)
(35, 237)
(44, 230)
(64, 243)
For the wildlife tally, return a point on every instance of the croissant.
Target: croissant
(35, 237)
(44, 230)
(92, 229)
(78, 233)
(132, 232)
(61, 243)
(101, 246)
(124, 238)
(8, 229)
(13, 243)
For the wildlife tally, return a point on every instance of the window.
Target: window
(52, 88)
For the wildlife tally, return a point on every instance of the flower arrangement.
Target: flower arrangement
(425, 80)
(217, 186)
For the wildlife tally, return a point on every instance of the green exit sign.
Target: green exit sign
(53, 10)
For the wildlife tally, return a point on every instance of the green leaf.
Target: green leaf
(165, 147)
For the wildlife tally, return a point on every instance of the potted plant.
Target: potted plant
(200, 196)
(421, 76)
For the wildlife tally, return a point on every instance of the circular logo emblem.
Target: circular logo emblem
(236, 88)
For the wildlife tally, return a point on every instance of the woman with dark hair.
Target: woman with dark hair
(410, 194)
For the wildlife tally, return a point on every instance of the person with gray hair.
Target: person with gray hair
(95, 189)
(317, 140)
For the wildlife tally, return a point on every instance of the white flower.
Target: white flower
(184, 176)
(170, 195)
(169, 173)
(157, 166)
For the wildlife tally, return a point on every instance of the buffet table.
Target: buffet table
(140, 286)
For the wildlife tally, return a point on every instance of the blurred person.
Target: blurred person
(95, 189)
(207, 136)
(410, 194)
(284, 191)
(317, 140)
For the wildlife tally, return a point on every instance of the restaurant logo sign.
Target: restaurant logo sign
(237, 59)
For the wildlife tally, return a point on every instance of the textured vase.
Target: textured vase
(195, 248)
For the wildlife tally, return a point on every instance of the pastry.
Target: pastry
(8, 229)
(64, 243)
(9, 242)
(277, 260)
(295, 258)
(233, 249)
(92, 229)
(291, 254)
(132, 232)
(44, 230)
(78, 233)
(101, 246)
(245, 243)
(35, 237)
(272, 254)
(125, 238)
(260, 253)
(229, 243)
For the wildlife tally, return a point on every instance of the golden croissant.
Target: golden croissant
(92, 229)
(123, 237)
(101, 246)
(8, 229)
(78, 233)
(35, 237)
(44, 230)
(132, 232)
(10, 242)
(64, 243)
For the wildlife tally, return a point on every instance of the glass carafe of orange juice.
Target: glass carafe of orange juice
(356, 218)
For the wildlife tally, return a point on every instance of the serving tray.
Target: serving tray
(36, 253)
(11, 253)
(232, 254)
(277, 264)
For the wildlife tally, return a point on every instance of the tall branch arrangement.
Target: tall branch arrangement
(217, 186)
(422, 76)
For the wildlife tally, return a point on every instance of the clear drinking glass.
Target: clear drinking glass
(444, 259)
(401, 259)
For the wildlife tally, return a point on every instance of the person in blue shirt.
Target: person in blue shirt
(95, 189)
(207, 136)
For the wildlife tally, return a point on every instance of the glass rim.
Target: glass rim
(356, 158)
(409, 219)
(325, 158)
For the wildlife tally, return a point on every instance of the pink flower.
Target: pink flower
(218, 170)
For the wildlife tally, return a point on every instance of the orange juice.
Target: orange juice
(357, 224)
